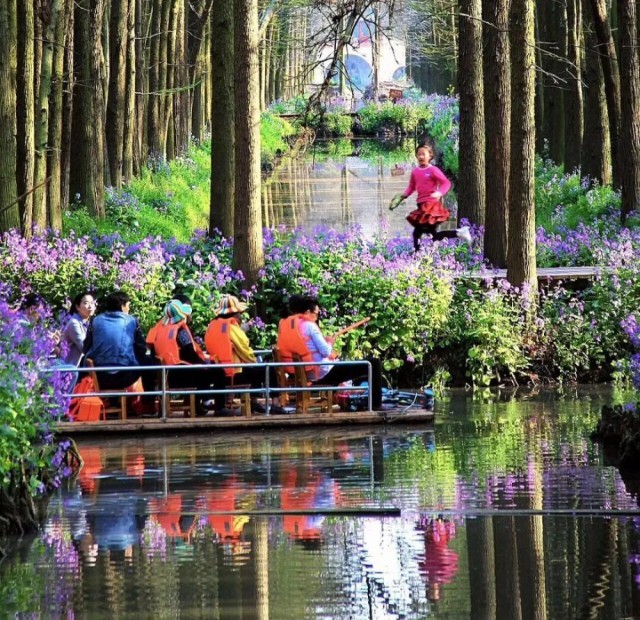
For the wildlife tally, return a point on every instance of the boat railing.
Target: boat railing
(267, 390)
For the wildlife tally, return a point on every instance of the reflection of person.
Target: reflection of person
(318, 491)
(440, 564)
(301, 335)
(431, 185)
(83, 308)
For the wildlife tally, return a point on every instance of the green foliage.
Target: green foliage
(169, 199)
(332, 123)
(399, 117)
(273, 131)
(490, 327)
(566, 200)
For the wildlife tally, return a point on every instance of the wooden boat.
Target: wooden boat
(309, 406)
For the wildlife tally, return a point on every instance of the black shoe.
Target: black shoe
(227, 412)
(277, 410)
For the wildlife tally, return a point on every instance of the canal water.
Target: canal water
(343, 184)
(504, 508)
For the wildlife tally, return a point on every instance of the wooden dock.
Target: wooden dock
(211, 423)
(544, 273)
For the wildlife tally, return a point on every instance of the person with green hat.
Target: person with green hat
(227, 342)
(173, 344)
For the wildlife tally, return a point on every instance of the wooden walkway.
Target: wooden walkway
(544, 273)
(211, 423)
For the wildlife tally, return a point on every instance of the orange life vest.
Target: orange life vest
(151, 336)
(165, 343)
(217, 339)
(290, 341)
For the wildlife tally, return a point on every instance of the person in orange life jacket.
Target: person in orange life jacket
(226, 340)
(114, 338)
(173, 343)
(303, 336)
(151, 335)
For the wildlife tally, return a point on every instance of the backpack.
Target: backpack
(86, 409)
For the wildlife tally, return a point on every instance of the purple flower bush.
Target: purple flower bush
(31, 399)
(632, 329)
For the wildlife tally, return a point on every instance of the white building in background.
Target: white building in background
(359, 61)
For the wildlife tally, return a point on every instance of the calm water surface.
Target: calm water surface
(507, 510)
(341, 184)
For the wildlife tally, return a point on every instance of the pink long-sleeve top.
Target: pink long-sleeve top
(426, 181)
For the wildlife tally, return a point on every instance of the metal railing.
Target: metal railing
(267, 390)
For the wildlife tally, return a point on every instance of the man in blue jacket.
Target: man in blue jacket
(115, 339)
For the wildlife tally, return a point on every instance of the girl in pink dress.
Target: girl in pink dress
(431, 185)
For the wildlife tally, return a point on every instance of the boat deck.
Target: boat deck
(212, 423)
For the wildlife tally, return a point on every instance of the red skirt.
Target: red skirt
(428, 213)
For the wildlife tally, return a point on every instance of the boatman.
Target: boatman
(300, 335)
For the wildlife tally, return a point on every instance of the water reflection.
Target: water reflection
(505, 513)
(339, 184)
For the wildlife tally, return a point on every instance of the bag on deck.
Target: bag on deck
(89, 408)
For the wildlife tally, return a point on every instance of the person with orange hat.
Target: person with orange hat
(173, 344)
(227, 342)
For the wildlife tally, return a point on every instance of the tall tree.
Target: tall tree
(9, 209)
(521, 257)
(497, 101)
(248, 252)
(118, 42)
(573, 100)
(221, 212)
(42, 119)
(56, 118)
(609, 61)
(596, 163)
(471, 184)
(630, 95)
(88, 166)
(26, 110)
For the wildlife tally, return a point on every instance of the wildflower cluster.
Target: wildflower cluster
(30, 400)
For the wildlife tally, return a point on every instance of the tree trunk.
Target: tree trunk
(521, 258)
(42, 117)
(67, 107)
(9, 209)
(609, 61)
(54, 170)
(596, 163)
(497, 101)
(154, 101)
(196, 23)
(552, 28)
(118, 42)
(88, 124)
(630, 95)
(573, 99)
(26, 111)
(140, 147)
(471, 185)
(130, 112)
(248, 253)
(221, 215)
